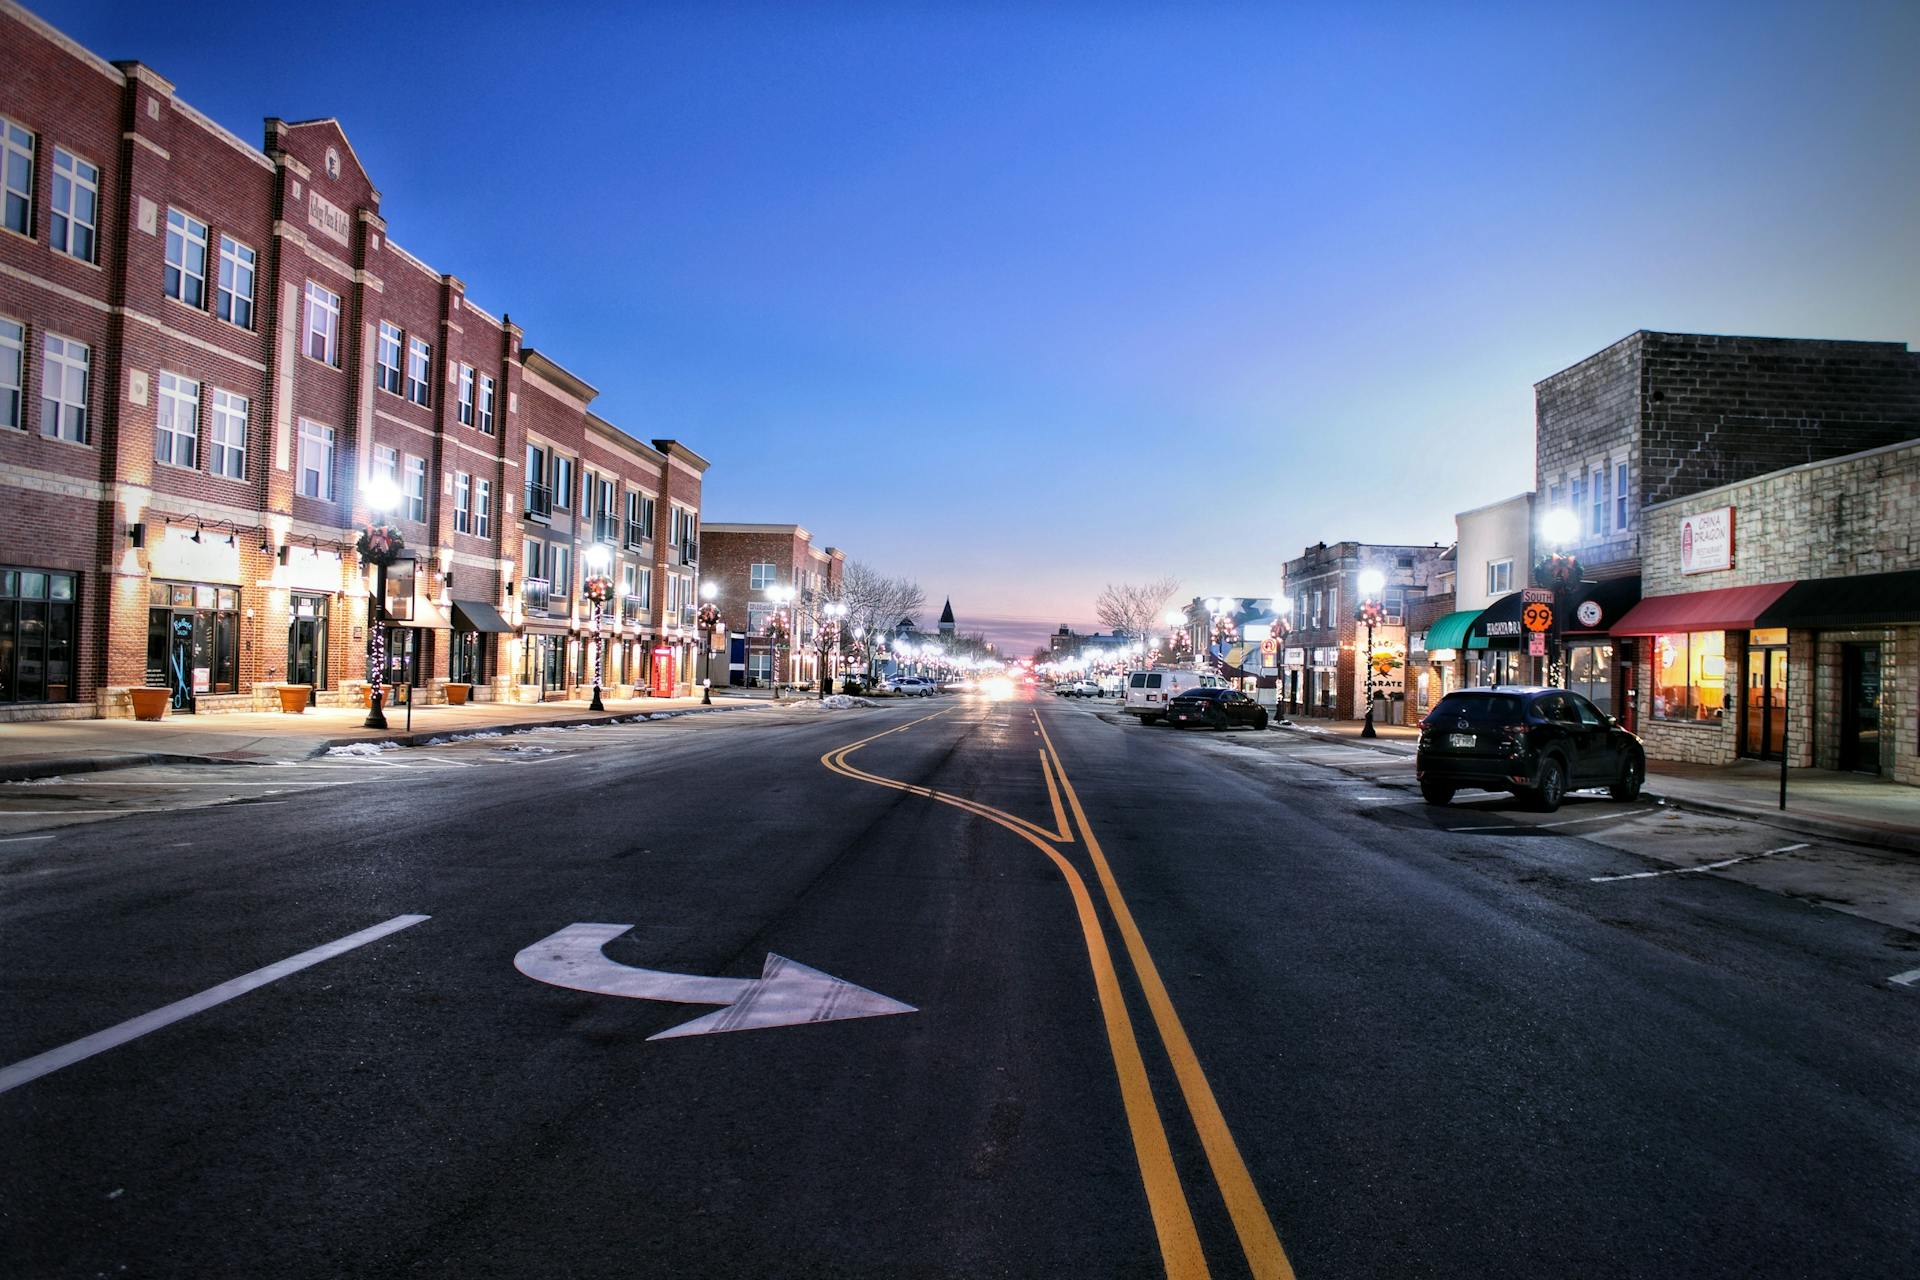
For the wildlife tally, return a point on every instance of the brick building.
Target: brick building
(207, 351)
(1321, 673)
(1782, 614)
(758, 570)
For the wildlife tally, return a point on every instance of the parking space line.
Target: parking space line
(100, 1041)
(1537, 826)
(1705, 866)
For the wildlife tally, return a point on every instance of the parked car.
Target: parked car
(1149, 691)
(1540, 743)
(1216, 708)
(1077, 689)
(1112, 686)
(915, 687)
(956, 684)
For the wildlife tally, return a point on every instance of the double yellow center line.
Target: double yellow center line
(1166, 1199)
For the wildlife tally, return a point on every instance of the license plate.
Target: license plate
(1460, 739)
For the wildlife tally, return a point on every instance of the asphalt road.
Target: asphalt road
(1183, 1004)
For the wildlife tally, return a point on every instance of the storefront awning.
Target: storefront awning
(1867, 600)
(427, 616)
(1450, 630)
(472, 615)
(1727, 609)
(1603, 603)
(1498, 625)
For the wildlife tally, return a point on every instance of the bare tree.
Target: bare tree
(876, 603)
(1132, 609)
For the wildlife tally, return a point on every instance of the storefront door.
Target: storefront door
(307, 641)
(1860, 708)
(1766, 704)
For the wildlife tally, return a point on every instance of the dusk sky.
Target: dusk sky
(963, 288)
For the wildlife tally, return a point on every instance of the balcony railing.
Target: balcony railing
(630, 609)
(636, 533)
(605, 528)
(690, 551)
(686, 618)
(538, 596)
(539, 502)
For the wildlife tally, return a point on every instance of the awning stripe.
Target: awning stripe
(1725, 609)
(1450, 630)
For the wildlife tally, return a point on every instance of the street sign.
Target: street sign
(1536, 595)
(1536, 644)
(785, 994)
(1537, 617)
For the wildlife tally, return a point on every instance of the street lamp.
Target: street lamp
(781, 596)
(1282, 628)
(378, 546)
(710, 632)
(596, 587)
(1559, 529)
(1372, 583)
(834, 611)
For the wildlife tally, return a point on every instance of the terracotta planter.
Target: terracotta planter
(457, 694)
(150, 704)
(294, 698)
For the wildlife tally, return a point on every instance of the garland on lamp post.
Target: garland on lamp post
(1558, 570)
(777, 633)
(379, 545)
(596, 590)
(1371, 613)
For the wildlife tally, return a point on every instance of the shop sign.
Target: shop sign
(1326, 657)
(400, 588)
(1767, 636)
(1296, 657)
(1706, 541)
(311, 569)
(177, 555)
(1589, 613)
(1504, 627)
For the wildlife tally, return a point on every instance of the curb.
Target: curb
(33, 769)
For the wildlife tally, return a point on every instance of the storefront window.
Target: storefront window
(1590, 672)
(1690, 676)
(36, 636)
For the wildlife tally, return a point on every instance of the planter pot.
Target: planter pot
(457, 694)
(294, 698)
(150, 704)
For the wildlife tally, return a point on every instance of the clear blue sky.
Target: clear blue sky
(961, 287)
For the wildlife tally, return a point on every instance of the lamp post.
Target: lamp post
(1282, 628)
(709, 631)
(834, 610)
(1559, 529)
(1372, 582)
(780, 596)
(378, 546)
(596, 587)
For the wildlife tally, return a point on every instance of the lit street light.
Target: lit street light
(1372, 583)
(710, 632)
(379, 546)
(596, 588)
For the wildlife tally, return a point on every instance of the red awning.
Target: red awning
(1728, 609)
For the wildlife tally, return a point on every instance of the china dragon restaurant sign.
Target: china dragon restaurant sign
(1706, 541)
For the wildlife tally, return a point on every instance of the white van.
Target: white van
(1149, 691)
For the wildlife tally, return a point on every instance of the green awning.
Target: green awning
(1450, 631)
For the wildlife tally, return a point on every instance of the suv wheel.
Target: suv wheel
(1439, 793)
(1633, 772)
(1553, 785)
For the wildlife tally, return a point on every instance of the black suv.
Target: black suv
(1219, 708)
(1540, 743)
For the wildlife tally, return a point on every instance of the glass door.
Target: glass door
(1860, 708)
(307, 642)
(1766, 704)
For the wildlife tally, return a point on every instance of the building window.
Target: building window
(643, 591)
(316, 461)
(1620, 510)
(387, 357)
(323, 325)
(386, 462)
(16, 176)
(1333, 606)
(416, 489)
(462, 503)
(229, 435)
(483, 508)
(562, 564)
(36, 635)
(1318, 598)
(1690, 676)
(1577, 500)
(759, 614)
(1600, 501)
(419, 365)
(13, 368)
(63, 389)
(233, 301)
(176, 425)
(465, 410)
(1499, 577)
(562, 481)
(186, 277)
(486, 404)
(76, 202)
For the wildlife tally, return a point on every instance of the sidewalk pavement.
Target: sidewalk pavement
(1833, 806)
(46, 748)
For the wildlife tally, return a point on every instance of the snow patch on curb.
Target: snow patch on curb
(362, 748)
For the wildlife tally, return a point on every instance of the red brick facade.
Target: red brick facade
(813, 573)
(278, 403)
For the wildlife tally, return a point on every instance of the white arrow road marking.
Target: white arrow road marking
(785, 994)
(1907, 979)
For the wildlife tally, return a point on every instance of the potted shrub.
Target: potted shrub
(294, 698)
(457, 693)
(150, 704)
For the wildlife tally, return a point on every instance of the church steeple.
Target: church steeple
(946, 618)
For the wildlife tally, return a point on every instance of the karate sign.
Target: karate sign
(1537, 616)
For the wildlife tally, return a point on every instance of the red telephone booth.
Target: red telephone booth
(662, 672)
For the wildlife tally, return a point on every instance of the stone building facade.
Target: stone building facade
(209, 352)
(1808, 617)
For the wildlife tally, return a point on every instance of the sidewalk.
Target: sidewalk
(40, 749)
(1835, 806)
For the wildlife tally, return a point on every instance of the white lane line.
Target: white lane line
(1535, 826)
(23, 839)
(133, 811)
(100, 1041)
(1907, 979)
(1705, 866)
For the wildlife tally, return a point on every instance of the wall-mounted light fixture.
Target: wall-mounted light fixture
(286, 553)
(137, 534)
(196, 532)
